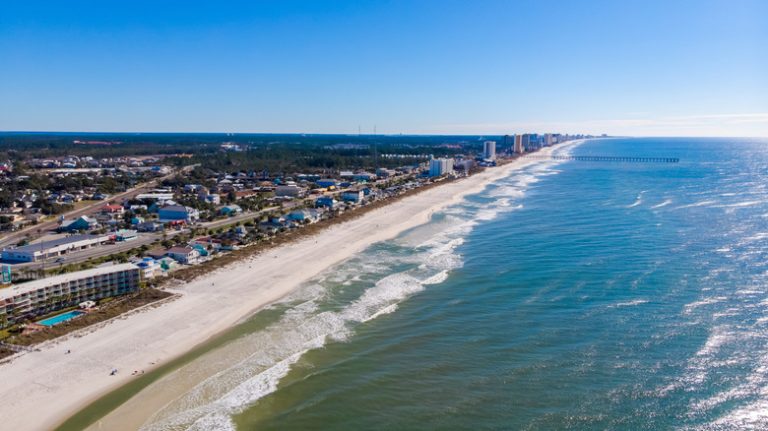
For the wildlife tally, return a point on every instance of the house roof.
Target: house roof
(174, 208)
(160, 252)
(74, 220)
(180, 250)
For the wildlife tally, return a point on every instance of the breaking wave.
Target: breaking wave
(320, 312)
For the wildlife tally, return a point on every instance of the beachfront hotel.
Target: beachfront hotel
(35, 298)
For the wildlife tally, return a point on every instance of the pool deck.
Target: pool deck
(59, 318)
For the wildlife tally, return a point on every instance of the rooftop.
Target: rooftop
(54, 242)
(179, 250)
(30, 286)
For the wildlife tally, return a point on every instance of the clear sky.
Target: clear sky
(631, 67)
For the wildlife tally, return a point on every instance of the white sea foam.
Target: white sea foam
(638, 200)
(267, 356)
(302, 328)
(697, 204)
(629, 303)
(740, 204)
(662, 205)
(688, 308)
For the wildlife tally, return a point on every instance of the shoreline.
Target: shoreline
(148, 340)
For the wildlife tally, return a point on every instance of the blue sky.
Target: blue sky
(631, 67)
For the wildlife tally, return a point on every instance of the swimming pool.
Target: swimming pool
(63, 317)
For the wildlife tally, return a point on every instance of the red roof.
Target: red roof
(112, 208)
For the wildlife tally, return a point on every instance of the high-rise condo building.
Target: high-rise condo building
(489, 150)
(519, 149)
(438, 167)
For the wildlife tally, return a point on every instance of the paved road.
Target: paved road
(15, 237)
(234, 219)
(143, 239)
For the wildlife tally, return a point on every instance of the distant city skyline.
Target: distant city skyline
(652, 68)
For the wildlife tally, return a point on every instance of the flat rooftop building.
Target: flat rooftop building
(35, 298)
(52, 248)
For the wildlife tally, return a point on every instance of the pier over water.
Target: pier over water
(621, 159)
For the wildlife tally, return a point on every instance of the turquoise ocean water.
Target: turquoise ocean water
(570, 295)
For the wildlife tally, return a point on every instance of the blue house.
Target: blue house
(231, 210)
(80, 223)
(301, 215)
(202, 250)
(178, 212)
(326, 183)
(353, 196)
(325, 201)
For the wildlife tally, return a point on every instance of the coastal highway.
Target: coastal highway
(15, 237)
(235, 219)
(143, 239)
(95, 252)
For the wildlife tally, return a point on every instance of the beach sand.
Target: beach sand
(41, 389)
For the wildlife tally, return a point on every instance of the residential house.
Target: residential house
(231, 210)
(325, 201)
(150, 268)
(184, 255)
(355, 196)
(114, 211)
(80, 223)
(301, 215)
(178, 213)
(210, 198)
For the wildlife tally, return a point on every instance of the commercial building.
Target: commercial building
(27, 300)
(489, 150)
(438, 167)
(53, 248)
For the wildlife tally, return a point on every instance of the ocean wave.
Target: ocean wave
(629, 303)
(740, 204)
(638, 200)
(662, 205)
(303, 327)
(313, 318)
(697, 204)
(689, 308)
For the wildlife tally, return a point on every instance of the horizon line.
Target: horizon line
(62, 132)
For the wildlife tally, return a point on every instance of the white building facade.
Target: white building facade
(489, 150)
(35, 298)
(438, 167)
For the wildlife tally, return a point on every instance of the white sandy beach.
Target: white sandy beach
(41, 389)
